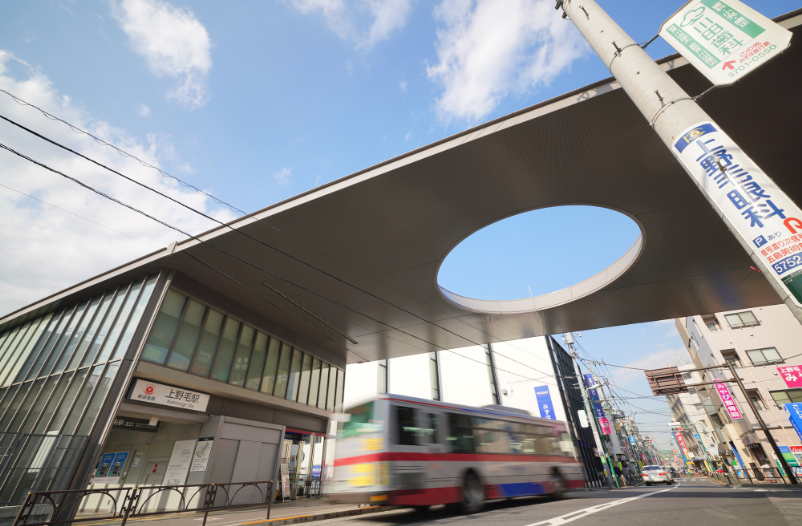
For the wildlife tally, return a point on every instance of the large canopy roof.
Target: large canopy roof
(363, 252)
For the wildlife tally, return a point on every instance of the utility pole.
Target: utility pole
(765, 429)
(666, 106)
(569, 340)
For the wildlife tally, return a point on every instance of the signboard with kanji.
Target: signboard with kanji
(792, 374)
(156, 393)
(766, 219)
(728, 401)
(724, 39)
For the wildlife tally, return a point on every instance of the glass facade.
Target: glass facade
(196, 338)
(57, 370)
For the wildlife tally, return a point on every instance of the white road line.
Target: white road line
(578, 514)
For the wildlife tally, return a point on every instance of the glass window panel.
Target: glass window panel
(324, 386)
(25, 408)
(136, 315)
(77, 335)
(795, 395)
(733, 320)
(306, 372)
(314, 383)
(53, 403)
(243, 357)
(11, 341)
(332, 389)
(257, 362)
(66, 404)
(21, 355)
(44, 396)
(97, 399)
(295, 374)
(283, 371)
(82, 400)
(12, 392)
(188, 334)
(19, 396)
(14, 344)
(772, 355)
(4, 341)
(225, 352)
(271, 366)
(120, 323)
(164, 328)
(111, 315)
(204, 356)
(756, 357)
(91, 331)
(49, 343)
(748, 318)
(338, 401)
(62, 341)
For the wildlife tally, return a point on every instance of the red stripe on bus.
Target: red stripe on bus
(450, 457)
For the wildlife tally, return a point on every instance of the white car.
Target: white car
(655, 474)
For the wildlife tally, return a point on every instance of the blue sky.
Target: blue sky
(259, 101)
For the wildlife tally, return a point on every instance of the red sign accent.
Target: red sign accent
(792, 374)
(149, 389)
(728, 65)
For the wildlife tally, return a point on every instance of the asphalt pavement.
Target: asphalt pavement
(689, 502)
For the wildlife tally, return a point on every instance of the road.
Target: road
(689, 502)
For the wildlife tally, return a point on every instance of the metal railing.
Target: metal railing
(771, 475)
(126, 503)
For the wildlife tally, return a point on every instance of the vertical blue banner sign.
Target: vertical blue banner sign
(795, 416)
(593, 394)
(544, 402)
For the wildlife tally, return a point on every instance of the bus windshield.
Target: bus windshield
(361, 422)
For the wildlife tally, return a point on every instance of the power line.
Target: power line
(76, 215)
(55, 143)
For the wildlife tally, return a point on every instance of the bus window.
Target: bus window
(430, 428)
(490, 441)
(460, 433)
(361, 422)
(408, 431)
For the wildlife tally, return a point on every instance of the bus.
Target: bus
(402, 451)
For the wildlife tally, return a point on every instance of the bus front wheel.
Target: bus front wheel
(558, 487)
(473, 494)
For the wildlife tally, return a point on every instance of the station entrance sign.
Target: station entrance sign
(724, 39)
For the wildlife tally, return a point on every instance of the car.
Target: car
(654, 474)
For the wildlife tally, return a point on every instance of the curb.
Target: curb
(297, 519)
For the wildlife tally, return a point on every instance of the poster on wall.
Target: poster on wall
(285, 481)
(200, 460)
(110, 468)
(180, 461)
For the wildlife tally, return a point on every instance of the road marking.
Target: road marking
(578, 514)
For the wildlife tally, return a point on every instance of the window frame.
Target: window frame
(762, 353)
(743, 323)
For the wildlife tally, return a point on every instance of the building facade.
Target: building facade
(759, 343)
(158, 380)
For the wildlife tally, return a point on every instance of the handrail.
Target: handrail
(127, 503)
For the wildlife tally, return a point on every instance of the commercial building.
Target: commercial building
(758, 343)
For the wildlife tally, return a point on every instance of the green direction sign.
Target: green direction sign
(724, 39)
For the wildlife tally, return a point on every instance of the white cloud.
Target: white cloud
(402, 86)
(143, 110)
(407, 136)
(487, 49)
(45, 249)
(174, 44)
(282, 177)
(363, 22)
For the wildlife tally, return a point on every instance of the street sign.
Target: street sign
(762, 214)
(724, 39)
(631, 440)
(792, 374)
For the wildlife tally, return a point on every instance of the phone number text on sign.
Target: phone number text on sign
(759, 211)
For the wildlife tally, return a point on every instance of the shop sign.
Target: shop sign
(763, 215)
(544, 403)
(792, 374)
(285, 481)
(788, 455)
(109, 469)
(179, 463)
(160, 394)
(134, 424)
(729, 403)
(795, 416)
(203, 450)
(605, 426)
(724, 39)
(796, 449)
